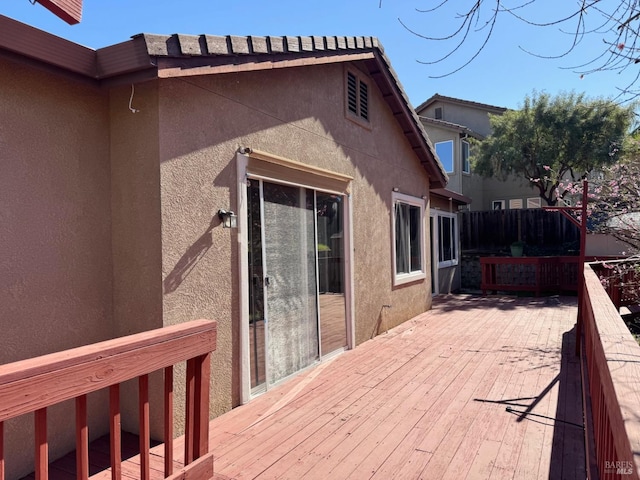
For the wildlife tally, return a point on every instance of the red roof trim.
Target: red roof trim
(68, 10)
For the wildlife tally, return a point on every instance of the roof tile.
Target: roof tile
(318, 42)
(189, 44)
(259, 44)
(306, 44)
(239, 45)
(277, 44)
(293, 44)
(217, 45)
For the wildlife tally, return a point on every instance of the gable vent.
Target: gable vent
(357, 97)
(352, 93)
(364, 101)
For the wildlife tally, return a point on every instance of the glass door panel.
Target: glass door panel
(330, 245)
(256, 289)
(290, 280)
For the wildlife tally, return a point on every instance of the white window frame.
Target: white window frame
(454, 238)
(402, 278)
(466, 164)
(502, 204)
(515, 204)
(453, 156)
(534, 202)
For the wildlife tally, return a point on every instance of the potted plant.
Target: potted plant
(517, 248)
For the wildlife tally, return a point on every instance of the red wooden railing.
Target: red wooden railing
(621, 283)
(531, 274)
(35, 384)
(611, 364)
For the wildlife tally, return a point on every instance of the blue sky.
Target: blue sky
(502, 74)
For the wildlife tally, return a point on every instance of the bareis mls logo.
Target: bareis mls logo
(619, 468)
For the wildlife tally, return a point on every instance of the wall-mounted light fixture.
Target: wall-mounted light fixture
(228, 218)
(396, 189)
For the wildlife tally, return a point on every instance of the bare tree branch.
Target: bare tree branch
(617, 23)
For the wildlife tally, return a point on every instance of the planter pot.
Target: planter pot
(517, 250)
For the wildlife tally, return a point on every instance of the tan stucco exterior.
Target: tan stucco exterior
(55, 242)
(109, 214)
(219, 115)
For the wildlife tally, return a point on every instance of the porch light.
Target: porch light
(228, 218)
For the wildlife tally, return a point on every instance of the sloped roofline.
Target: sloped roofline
(148, 56)
(442, 98)
(451, 126)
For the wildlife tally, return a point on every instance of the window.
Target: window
(445, 153)
(497, 205)
(438, 113)
(447, 240)
(357, 97)
(515, 203)
(534, 202)
(408, 238)
(466, 168)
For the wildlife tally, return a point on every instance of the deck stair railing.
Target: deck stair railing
(33, 385)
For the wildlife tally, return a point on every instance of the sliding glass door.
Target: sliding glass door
(289, 269)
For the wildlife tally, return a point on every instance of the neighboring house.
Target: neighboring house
(450, 123)
(116, 163)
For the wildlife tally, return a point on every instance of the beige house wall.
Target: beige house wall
(473, 118)
(109, 215)
(55, 235)
(137, 247)
(514, 188)
(302, 119)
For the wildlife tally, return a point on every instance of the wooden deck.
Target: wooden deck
(467, 390)
(477, 388)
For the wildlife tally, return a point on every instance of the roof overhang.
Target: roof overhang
(458, 101)
(455, 197)
(147, 56)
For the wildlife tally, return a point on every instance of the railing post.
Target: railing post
(82, 439)
(42, 447)
(583, 247)
(168, 421)
(197, 421)
(1, 450)
(114, 428)
(143, 405)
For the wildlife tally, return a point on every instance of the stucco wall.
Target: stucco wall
(474, 118)
(203, 121)
(55, 239)
(137, 249)
(515, 187)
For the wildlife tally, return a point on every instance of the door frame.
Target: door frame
(252, 164)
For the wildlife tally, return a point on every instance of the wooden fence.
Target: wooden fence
(489, 231)
(33, 385)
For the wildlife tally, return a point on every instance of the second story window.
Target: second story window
(357, 97)
(445, 153)
(466, 167)
(438, 113)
